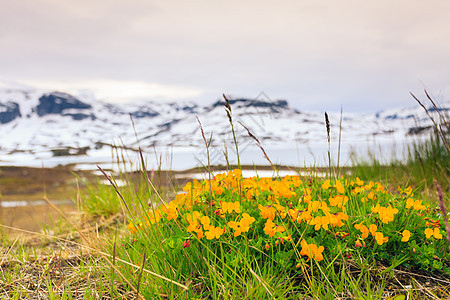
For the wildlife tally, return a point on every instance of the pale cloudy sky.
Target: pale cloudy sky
(317, 54)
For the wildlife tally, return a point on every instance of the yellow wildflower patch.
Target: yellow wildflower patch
(264, 213)
(386, 214)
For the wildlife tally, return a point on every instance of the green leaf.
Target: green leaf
(173, 242)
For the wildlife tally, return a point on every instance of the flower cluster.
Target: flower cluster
(243, 225)
(433, 232)
(314, 219)
(386, 214)
(311, 250)
(417, 205)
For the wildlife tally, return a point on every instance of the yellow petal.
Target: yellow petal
(428, 232)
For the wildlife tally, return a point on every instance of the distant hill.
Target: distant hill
(57, 123)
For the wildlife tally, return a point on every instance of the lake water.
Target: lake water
(307, 154)
(311, 154)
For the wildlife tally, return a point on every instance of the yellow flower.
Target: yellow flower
(321, 222)
(187, 187)
(326, 184)
(428, 232)
(250, 193)
(237, 172)
(154, 217)
(369, 186)
(380, 188)
(231, 206)
(436, 232)
(373, 228)
(132, 228)
(294, 215)
(270, 228)
(407, 191)
(409, 202)
(336, 219)
(281, 189)
(406, 235)
(236, 226)
(356, 191)
(375, 208)
(307, 196)
(305, 216)
(281, 210)
(380, 238)
(339, 201)
(180, 198)
(314, 205)
(386, 214)
(288, 238)
(311, 250)
(339, 187)
(205, 222)
(171, 210)
(243, 225)
(364, 230)
(213, 232)
(192, 219)
(359, 181)
(218, 190)
(299, 215)
(246, 221)
(267, 212)
(416, 204)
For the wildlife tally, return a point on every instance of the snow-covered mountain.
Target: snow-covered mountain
(42, 124)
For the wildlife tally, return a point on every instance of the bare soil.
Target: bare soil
(32, 184)
(30, 218)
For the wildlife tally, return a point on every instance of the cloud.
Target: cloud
(314, 53)
(120, 91)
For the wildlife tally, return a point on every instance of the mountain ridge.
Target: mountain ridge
(49, 124)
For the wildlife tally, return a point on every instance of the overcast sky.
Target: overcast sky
(318, 55)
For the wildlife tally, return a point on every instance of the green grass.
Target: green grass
(424, 162)
(233, 269)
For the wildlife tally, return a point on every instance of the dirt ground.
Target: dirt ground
(30, 218)
(32, 184)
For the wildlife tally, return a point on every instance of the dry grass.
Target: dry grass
(61, 265)
(72, 276)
